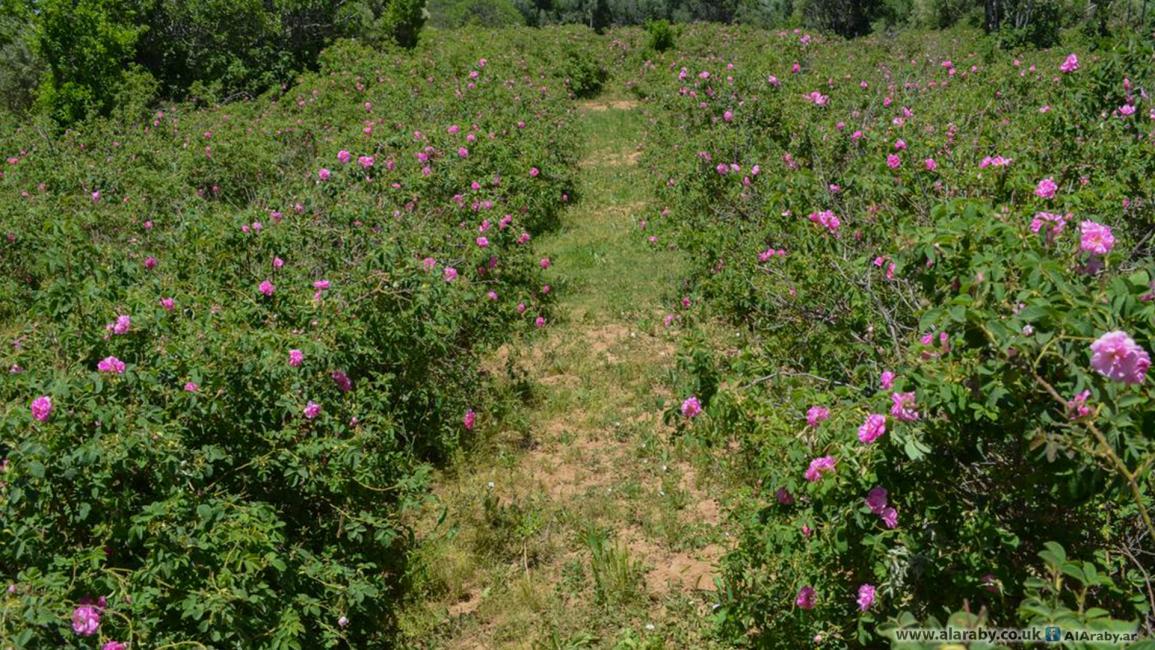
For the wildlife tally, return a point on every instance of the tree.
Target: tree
(402, 21)
(846, 17)
(211, 49)
(20, 66)
(482, 13)
(535, 12)
(87, 46)
(718, 11)
(222, 46)
(1021, 22)
(991, 15)
(600, 15)
(765, 13)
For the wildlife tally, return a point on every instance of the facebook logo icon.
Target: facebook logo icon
(1052, 633)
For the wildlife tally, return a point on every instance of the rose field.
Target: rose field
(713, 334)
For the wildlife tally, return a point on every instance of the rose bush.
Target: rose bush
(236, 337)
(941, 254)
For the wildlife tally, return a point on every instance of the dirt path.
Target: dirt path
(583, 524)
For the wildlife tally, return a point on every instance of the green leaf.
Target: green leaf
(1074, 571)
(1053, 554)
(35, 469)
(915, 449)
(1096, 612)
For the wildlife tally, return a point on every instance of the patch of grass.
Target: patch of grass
(576, 641)
(616, 576)
(514, 530)
(531, 562)
(633, 640)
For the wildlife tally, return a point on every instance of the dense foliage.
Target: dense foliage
(209, 49)
(1031, 21)
(474, 13)
(239, 334)
(74, 57)
(234, 337)
(660, 36)
(944, 252)
(20, 68)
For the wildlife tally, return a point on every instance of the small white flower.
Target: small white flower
(1028, 330)
(649, 626)
(489, 485)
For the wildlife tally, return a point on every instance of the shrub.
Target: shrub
(224, 491)
(910, 254)
(659, 36)
(584, 71)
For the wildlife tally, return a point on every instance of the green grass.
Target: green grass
(591, 496)
(610, 272)
(617, 578)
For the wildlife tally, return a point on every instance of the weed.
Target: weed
(616, 576)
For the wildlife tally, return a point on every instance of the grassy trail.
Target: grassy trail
(582, 524)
